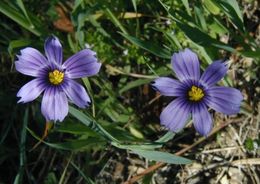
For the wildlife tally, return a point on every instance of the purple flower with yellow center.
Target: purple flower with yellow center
(55, 79)
(195, 93)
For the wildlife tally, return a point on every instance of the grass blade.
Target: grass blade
(18, 18)
(231, 9)
(21, 5)
(115, 21)
(86, 120)
(19, 176)
(161, 156)
(150, 47)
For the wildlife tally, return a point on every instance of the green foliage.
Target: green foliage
(252, 144)
(249, 143)
(13, 13)
(156, 50)
(162, 157)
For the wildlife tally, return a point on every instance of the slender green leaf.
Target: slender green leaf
(186, 4)
(100, 29)
(252, 54)
(50, 179)
(234, 5)
(73, 127)
(23, 138)
(170, 35)
(136, 133)
(218, 27)
(224, 47)
(77, 3)
(147, 179)
(19, 176)
(201, 18)
(18, 18)
(86, 178)
(89, 89)
(134, 84)
(150, 47)
(72, 145)
(202, 38)
(173, 39)
(88, 121)
(168, 136)
(73, 46)
(231, 9)
(161, 156)
(115, 21)
(21, 5)
(146, 146)
(211, 6)
(134, 5)
(17, 44)
(62, 178)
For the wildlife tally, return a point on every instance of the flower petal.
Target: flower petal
(186, 65)
(176, 114)
(54, 104)
(53, 50)
(76, 93)
(201, 119)
(30, 62)
(224, 99)
(82, 64)
(216, 71)
(169, 87)
(31, 90)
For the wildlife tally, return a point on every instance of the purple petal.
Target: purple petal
(186, 65)
(215, 72)
(224, 99)
(53, 50)
(82, 64)
(30, 62)
(76, 93)
(169, 87)
(31, 90)
(201, 119)
(175, 115)
(54, 104)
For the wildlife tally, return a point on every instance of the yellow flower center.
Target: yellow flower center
(56, 77)
(195, 93)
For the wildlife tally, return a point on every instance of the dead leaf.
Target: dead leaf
(63, 23)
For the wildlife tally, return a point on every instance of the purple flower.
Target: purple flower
(195, 93)
(55, 79)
